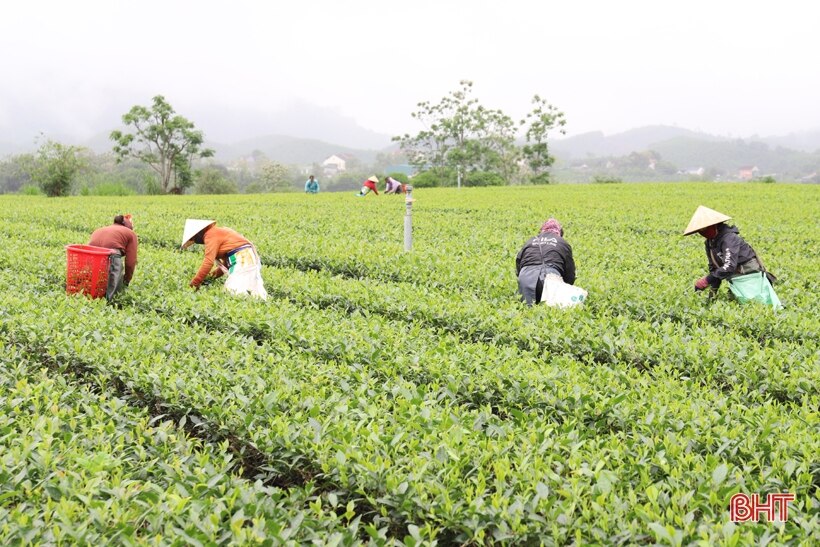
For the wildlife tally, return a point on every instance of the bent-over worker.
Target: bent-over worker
(121, 238)
(392, 186)
(728, 255)
(230, 252)
(368, 185)
(546, 269)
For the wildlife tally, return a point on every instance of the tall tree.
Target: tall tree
(164, 140)
(273, 177)
(542, 119)
(499, 153)
(451, 137)
(55, 166)
(214, 180)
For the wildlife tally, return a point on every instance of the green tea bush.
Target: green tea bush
(410, 397)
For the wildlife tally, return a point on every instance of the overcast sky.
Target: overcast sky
(728, 67)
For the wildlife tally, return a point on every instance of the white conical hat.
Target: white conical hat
(192, 227)
(703, 218)
(374, 178)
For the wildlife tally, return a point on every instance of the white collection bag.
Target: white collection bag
(562, 295)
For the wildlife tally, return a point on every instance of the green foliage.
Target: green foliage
(767, 179)
(152, 185)
(461, 134)
(409, 393)
(30, 190)
(162, 139)
(541, 178)
(56, 166)
(434, 177)
(274, 177)
(107, 189)
(603, 179)
(213, 181)
(15, 172)
(484, 178)
(542, 119)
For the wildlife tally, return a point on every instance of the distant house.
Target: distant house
(697, 171)
(337, 163)
(747, 172)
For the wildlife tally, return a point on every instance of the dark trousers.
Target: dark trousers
(116, 275)
(531, 282)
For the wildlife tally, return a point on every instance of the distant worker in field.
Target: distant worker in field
(230, 252)
(368, 185)
(120, 237)
(546, 269)
(392, 186)
(731, 259)
(312, 185)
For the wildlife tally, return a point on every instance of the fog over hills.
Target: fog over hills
(220, 125)
(648, 138)
(303, 133)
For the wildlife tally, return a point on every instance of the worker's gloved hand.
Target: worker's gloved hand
(701, 284)
(193, 286)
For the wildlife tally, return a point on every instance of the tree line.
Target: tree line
(161, 152)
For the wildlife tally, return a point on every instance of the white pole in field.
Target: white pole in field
(408, 218)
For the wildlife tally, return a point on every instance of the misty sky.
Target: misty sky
(725, 67)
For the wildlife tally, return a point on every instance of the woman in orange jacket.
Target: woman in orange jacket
(230, 252)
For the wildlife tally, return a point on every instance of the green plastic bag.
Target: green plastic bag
(754, 287)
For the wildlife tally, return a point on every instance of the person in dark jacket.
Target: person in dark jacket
(728, 255)
(543, 255)
(120, 237)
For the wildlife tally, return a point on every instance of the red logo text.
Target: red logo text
(743, 507)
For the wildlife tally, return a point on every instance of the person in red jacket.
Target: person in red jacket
(121, 238)
(368, 185)
(230, 252)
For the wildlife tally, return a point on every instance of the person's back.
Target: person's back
(391, 185)
(121, 237)
(551, 250)
(546, 269)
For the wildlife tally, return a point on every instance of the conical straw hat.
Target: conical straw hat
(703, 218)
(374, 178)
(192, 227)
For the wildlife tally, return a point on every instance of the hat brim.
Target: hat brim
(193, 227)
(703, 218)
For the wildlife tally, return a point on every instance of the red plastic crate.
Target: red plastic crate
(87, 270)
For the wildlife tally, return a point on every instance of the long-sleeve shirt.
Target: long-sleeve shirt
(218, 243)
(372, 185)
(117, 236)
(725, 253)
(391, 185)
(312, 186)
(547, 249)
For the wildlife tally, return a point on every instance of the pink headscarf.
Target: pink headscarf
(551, 225)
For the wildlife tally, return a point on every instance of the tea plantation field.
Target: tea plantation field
(384, 397)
